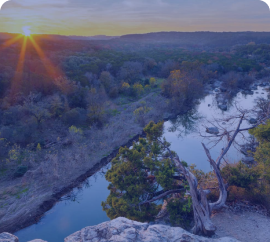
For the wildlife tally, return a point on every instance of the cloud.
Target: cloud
(115, 17)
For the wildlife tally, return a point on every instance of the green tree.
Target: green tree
(141, 175)
(137, 89)
(152, 82)
(141, 112)
(262, 154)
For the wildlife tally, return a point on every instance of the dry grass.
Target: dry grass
(58, 166)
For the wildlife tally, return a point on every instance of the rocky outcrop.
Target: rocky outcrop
(125, 230)
(7, 237)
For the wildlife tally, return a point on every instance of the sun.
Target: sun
(26, 30)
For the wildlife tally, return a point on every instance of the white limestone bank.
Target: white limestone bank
(125, 230)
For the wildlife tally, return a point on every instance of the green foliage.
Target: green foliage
(152, 82)
(262, 154)
(181, 212)
(137, 89)
(262, 132)
(140, 113)
(74, 130)
(241, 175)
(137, 174)
(38, 147)
(182, 88)
(154, 131)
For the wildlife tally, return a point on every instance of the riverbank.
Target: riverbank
(73, 165)
(24, 200)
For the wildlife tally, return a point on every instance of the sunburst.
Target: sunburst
(52, 71)
(26, 31)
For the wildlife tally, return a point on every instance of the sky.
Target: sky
(119, 17)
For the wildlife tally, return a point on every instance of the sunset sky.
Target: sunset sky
(118, 17)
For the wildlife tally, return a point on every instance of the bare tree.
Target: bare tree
(201, 207)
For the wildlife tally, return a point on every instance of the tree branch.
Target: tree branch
(161, 196)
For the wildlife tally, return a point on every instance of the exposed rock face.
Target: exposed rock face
(7, 237)
(125, 230)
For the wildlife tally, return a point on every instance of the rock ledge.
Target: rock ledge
(125, 230)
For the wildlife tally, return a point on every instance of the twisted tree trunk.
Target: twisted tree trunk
(201, 209)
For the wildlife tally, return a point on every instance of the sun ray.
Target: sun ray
(52, 71)
(11, 41)
(19, 69)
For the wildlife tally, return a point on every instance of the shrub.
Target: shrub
(241, 175)
(76, 116)
(137, 89)
(181, 212)
(152, 82)
(140, 113)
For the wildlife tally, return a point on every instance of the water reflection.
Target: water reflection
(80, 208)
(185, 124)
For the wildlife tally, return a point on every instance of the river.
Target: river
(83, 208)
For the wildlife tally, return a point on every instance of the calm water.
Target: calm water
(84, 207)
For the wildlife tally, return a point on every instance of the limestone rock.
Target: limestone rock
(125, 230)
(7, 237)
(37, 240)
(223, 107)
(253, 121)
(212, 130)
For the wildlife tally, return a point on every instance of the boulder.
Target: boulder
(7, 237)
(123, 229)
(223, 107)
(253, 121)
(212, 130)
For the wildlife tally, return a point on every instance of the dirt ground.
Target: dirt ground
(245, 226)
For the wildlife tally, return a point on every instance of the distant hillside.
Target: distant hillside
(210, 39)
(96, 37)
(6, 35)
